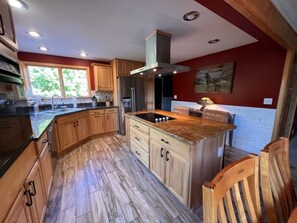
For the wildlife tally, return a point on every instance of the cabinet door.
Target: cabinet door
(34, 183)
(19, 212)
(157, 160)
(177, 175)
(7, 33)
(45, 159)
(97, 123)
(111, 122)
(82, 128)
(67, 134)
(103, 78)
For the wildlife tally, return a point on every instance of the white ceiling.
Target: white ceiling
(108, 29)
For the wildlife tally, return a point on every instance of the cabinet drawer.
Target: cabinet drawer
(141, 127)
(140, 139)
(41, 142)
(96, 112)
(111, 110)
(171, 143)
(140, 154)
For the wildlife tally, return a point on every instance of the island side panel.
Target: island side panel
(205, 165)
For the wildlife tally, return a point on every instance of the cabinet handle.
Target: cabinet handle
(50, 146)
(34, 189)
(77, 124)
(167, 158)
(44, 141)
(137, 138)
(162, 152)
(73, 124)
(136, 126)
(2, 26)
(137, 153)
(29, 198)
(164, 141)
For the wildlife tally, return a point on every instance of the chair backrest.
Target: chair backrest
(233, 195)
(181, 109)
(216, 115)
(276, 184)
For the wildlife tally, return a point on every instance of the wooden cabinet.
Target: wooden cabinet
(170, 164)
(7, 31)
(123, 67)
(97, 121)
(20, 212)
(139, 141)
(103, 77)
(72, 129)
(111, 120)
(45, 159)
(34, 184)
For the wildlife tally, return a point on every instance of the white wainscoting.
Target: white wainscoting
(254, 125)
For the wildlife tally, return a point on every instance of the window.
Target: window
(46, 81)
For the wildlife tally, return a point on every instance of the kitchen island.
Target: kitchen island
(182, 153)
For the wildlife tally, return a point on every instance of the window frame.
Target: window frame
(24, 67)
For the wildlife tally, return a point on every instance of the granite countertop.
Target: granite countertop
(185, 128)
(41, 120)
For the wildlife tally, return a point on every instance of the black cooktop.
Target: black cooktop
(153, 117)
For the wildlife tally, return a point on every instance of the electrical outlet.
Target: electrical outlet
(175, 96)
(267, 101)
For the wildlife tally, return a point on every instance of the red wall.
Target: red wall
(42, 58)
(257, 75)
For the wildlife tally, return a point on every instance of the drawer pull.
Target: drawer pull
(167, 158)
(74, 124)
(34, 189)
(77, 124)
(136, 126)
(137, 153)
(29, 198)
(164, 141)
(137, 138)
(162, 152)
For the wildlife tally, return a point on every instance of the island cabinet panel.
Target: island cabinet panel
(11, 185)
(19, 212)
(157, 161)
(140, 139)
(111, 120)
(140, 154)
(97, 121)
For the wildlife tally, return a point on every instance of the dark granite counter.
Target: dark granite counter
(185, 128)
(42, 119)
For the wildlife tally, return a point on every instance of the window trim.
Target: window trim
(24, 68)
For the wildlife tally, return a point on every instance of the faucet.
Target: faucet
(55, 95)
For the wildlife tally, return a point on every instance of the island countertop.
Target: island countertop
(186, 128)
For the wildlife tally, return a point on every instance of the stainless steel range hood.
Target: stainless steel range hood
(157, 56)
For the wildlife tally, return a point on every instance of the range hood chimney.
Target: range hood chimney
(157, 56)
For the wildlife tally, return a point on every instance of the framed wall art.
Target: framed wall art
(215, 78)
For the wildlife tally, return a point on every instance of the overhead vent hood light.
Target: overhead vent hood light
(157, 56)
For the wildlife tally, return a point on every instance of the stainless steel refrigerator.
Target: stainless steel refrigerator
(131, 96)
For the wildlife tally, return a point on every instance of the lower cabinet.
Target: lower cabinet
(111, 120)
(82, 128)
(171, 169)
(97, 121)
(20, 210)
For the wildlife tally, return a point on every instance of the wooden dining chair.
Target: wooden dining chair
(181, 109)
(233, 195)
(277, 188)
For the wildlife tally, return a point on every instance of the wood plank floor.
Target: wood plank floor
(101, 181)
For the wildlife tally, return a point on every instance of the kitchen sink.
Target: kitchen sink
(60, 111)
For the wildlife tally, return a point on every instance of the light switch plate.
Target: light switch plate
(175, 96)
(267, 101)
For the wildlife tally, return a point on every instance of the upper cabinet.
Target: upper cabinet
(123, 67)
(103, 77)
(7, 32)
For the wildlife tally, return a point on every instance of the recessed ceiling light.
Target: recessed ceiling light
(34, 34)
(154, 69)
(18, 4)
(190, 16)
(83, 54)
(175, 72)
(213, 41)
(141, 73)
(43, 48)
(160, 75)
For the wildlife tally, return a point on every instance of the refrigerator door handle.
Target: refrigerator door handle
(133, 99)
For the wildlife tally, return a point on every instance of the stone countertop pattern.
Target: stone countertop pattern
(186, 128)
(41, 120)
